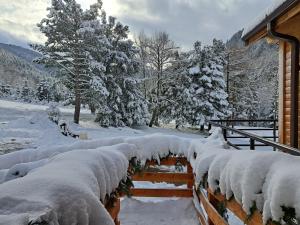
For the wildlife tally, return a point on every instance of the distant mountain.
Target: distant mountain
(16, 66)
(236, 41)
(25, 54)
(253, 72)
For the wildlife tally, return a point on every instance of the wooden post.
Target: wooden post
(225, 134)
(274, 133)
(209, 126)
(214, 203)
(114, 211)
(190, 184)
(252, 144)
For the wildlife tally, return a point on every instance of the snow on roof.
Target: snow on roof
(274, 6)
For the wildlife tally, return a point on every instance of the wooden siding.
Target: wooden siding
(285, 95)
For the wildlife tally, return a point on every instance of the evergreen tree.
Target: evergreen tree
(208, 85)
(65, 46)
(25, 92)
(43, 92)
(125, 104)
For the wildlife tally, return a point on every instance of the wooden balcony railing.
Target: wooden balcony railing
(253, 138)
(207, 199)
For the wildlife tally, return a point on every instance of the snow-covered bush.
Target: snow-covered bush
(54, 113)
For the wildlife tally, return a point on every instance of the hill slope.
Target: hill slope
(16, 66)
(253, 77)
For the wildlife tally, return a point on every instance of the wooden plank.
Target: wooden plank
(170, 161)
(212, 213)
(201, 218)
(236, 208)
(114, 211)
(190, 183)
(162, 193)
(164, 177)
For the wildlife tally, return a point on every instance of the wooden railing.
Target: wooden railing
(114, 211)
(209, 201)
(255, 139)
(233, 124)
(173, 178)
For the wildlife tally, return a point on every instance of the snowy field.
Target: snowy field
(24, 126)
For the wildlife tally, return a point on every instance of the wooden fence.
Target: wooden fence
(208, 200)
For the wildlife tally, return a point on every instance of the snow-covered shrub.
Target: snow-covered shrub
(54, 113)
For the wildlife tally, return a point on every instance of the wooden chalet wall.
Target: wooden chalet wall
(291, 27)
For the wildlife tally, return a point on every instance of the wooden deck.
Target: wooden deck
(208, 200)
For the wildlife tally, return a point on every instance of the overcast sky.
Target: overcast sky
(185, 20)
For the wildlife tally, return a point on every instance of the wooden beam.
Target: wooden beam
(279, 22)
(212, 213)
(114, 210)
(201, 218)
(164, 177)
(163, 193)
(170, 161)
(236, 208)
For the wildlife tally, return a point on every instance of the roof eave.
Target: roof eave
(286, 6)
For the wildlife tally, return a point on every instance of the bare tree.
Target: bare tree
(161, 53)
(142, 42)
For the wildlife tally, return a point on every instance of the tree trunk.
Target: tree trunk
(93, 109)
(77, 107)
(153, 118)
(77, 97)
(202, 128)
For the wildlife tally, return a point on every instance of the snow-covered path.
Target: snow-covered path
(175, 212)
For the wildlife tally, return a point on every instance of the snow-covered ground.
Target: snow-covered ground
(59, 180)
(175, 212)
(26, 127)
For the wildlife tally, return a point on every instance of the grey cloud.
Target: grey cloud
(190, 20)
(8, 38)
(185, 20)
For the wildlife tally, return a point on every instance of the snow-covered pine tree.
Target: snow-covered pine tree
(176, 92)
(208, 84)
(43, 91)
(25, 92)
(97, 47)
(118, 99)
(64, 46)
(218, 95)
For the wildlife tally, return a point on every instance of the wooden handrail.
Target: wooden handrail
(182, 178)
(281, 147)
(161, 193)
(114, 211)
(164, 177)
(232, 205)
(208, 200)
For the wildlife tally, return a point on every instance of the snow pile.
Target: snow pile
(267, 180)
(66, 190)
(64, 184)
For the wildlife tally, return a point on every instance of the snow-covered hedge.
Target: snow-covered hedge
(63, 185)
